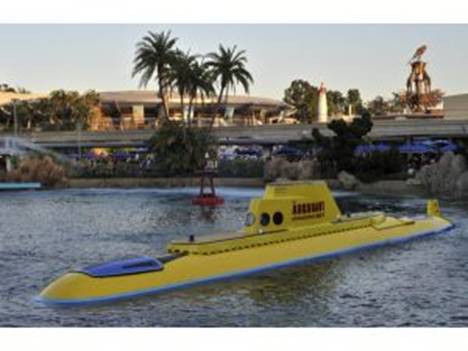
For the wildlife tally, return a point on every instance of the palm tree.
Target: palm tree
(153, 59)
(191, 78)
(181, 74)
(201, 83)
(228, 68)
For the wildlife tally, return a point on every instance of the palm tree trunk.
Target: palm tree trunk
(218, 106)
(162, 93)
(182, 106)
(226, 94)
(190, 110)
(226, 98)
(202, 108)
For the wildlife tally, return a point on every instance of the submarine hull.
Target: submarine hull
(80, 288)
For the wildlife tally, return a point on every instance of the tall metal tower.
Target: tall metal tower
(419, 97)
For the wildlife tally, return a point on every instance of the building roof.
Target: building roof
(150, 97)
(7, 97)
(463, 96)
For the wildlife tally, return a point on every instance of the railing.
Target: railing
(18, 146)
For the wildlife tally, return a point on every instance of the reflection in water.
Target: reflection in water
(207, 213)
(44, 234)
(293, 284)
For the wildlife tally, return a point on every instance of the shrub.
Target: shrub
(380, 165)
(241, 168)
(39, 169)
(180, 150)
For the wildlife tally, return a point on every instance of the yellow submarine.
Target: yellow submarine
(294, 222)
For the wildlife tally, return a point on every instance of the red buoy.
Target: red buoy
(207, 199)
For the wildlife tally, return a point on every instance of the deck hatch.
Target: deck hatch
(124, 267)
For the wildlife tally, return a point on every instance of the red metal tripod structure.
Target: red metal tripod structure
(208, 198)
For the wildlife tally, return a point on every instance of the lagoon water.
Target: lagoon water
(45, 233)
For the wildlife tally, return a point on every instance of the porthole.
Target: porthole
(265, 219)
(250, 219)
(278, 218)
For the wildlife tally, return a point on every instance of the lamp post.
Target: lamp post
(15, 120)
(15, 123)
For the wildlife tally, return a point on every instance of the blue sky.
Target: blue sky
(372, 58)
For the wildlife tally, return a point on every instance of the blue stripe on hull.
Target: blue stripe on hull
(81, 302)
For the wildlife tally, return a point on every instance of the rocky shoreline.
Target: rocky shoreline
(445, 179)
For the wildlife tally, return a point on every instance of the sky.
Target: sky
(372, 58)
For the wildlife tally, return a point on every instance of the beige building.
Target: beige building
(456, 106)
(7, 97)
(141, 109)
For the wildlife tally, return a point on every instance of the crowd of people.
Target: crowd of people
(125, 164)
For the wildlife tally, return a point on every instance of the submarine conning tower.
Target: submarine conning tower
(283, 213)
(286, 205)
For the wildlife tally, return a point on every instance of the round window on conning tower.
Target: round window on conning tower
(278, 218)
(265, 219)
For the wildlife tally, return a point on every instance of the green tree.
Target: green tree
(154, 56)
(228, 67)
(336, 102)
(9, 89)
(5, 118)
(61, 104)
(68, 109)
(24, 114)
(304, 97)
(30, 114)
(6, 88)
(180, 151)
(378, 106)
(353, 98)
(339, 148)
(61, 110)
(42, 111)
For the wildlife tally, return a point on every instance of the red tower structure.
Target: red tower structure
(208, 198)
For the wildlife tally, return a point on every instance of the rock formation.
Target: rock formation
(347, 180)
(461, 186)
(447, 178)
(280, 168)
